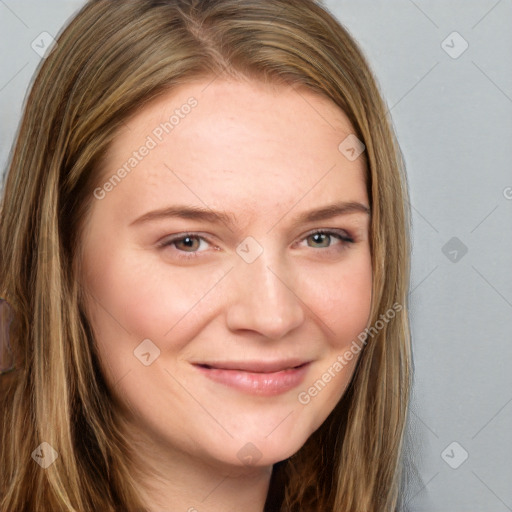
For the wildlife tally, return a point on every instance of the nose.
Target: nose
(263, 298)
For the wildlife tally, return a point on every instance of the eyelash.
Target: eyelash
(341, 235)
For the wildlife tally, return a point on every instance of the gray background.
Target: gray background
(452, 111)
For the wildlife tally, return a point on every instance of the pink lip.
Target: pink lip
(258, 378)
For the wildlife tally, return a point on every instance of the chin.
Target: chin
(268, 451)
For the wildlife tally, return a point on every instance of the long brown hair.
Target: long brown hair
(111, 59)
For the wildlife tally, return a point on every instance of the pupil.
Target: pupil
(188, 242)
(317, 236)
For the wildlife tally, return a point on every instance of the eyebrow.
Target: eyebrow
(215, 217)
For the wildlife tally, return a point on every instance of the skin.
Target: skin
(264, 154)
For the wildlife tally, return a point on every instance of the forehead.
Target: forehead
(236, 146)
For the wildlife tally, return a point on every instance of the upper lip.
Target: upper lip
(254, 366)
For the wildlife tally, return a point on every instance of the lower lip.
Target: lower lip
(266, 384)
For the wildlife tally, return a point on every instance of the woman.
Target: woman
(254, 370)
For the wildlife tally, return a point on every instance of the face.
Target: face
(223, 295)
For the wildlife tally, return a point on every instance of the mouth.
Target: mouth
(254, 366)
(266, 378)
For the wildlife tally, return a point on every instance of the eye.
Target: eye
(187, 241)
(324, 236)
(187, 244)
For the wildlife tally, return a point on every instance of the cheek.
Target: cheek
(344, 308)
(340, 295)
(135, 298)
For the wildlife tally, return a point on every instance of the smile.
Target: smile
(265, 379)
